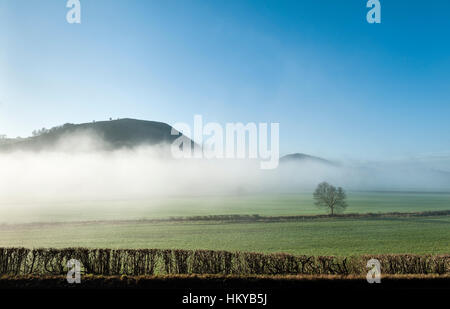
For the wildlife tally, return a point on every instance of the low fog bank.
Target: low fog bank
(128, 173)
(92, 173)
(367, 176)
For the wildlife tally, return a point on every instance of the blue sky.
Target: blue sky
(338, 86)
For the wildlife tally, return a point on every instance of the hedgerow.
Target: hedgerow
(138, 262)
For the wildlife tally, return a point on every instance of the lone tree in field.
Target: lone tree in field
(330, 197)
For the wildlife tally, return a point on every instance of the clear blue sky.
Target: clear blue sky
(338, 86)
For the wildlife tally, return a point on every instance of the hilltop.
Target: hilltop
(114, 134)
(301, 157)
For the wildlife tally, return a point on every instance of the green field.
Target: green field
(333, 236)
(263, 204)
(315, 237)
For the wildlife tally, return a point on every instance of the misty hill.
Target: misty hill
(301, 157)
(113, 134)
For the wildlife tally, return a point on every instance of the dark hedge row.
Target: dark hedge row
(258, 218)
(135, 262)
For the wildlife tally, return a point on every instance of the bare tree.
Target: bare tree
(330, 197)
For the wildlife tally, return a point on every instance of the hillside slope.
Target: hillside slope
(301, 157)
(113, 134)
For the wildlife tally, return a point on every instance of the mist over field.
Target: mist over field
(401, 175)
(82, 168)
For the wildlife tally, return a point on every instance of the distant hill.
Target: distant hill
(301, 157)
(114, 134)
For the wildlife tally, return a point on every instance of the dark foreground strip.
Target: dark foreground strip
(173, 291)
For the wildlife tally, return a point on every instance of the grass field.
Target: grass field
(263, 204)
(318, 237)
